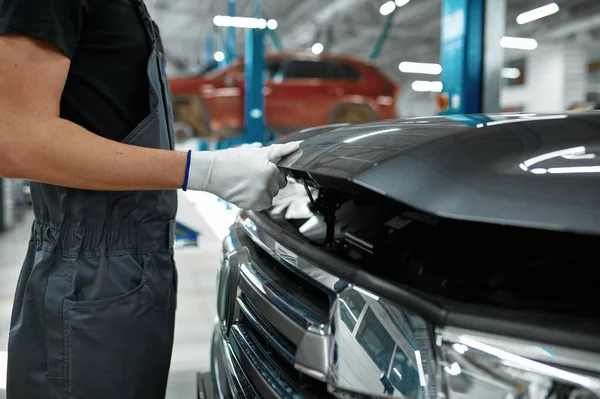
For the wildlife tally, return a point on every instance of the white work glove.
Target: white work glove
(245, 176)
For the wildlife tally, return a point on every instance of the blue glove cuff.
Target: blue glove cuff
(187, 171)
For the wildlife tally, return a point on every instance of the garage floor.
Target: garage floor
(196, 307)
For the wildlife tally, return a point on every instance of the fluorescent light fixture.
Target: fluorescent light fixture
(272, 24)
(511, 73)
(420, 67)
(437, 87)
(426, 86)
(219, 56)
(400, 3)
(244, 22)
(519, 43)
(387, 8)
(537, 13)
(317, 48)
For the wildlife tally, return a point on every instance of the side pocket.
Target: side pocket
(56, 291)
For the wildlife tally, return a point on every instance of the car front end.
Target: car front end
(422, 258)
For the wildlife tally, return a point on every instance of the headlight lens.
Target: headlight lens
(485, 366)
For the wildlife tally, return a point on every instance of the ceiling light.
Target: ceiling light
(426, 86)
(244, 22)
(437, 87)
(518, 43)
(537, 13)
(317, 48)
(272, 24)
(400, 3)
(511, 73)
(420, 67)
(387, 8)
(219, 56)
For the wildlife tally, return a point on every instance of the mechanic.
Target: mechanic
(85, 113)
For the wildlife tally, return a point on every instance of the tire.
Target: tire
(191, 118)
(352, 113)
(183, 131)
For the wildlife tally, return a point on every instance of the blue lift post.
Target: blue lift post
(254, 104)
(471, 56)
(230, 46)
(210, 50)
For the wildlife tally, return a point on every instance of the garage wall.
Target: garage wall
(556, 77)
(543, 90)
(412, 103)
(576, 74)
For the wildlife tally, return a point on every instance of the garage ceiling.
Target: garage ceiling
(353, 26)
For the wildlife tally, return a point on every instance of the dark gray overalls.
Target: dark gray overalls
(94, 310)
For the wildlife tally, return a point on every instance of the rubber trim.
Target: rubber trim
(500, 322)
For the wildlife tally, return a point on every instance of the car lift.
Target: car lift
(471, 56)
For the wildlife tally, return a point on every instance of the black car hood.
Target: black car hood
(530, 170)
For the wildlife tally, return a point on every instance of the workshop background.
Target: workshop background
(256, 70)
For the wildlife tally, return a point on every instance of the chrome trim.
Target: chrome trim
(288, 258)
(312, 356)
(257, 286)
(265, 376)
(236, 378)
(379, 349)
(275, 339)
(228, 282)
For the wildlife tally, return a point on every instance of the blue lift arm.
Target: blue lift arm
(382, 36)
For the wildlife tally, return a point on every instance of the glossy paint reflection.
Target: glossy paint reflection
(380, 350)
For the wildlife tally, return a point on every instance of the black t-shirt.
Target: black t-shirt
(107, 86)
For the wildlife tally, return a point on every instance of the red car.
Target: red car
(301, 90)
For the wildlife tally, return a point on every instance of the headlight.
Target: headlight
(385, 351)
(485, 366)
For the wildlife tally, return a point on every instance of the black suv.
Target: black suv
(446, 257)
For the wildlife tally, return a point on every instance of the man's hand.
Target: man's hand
(246, 176)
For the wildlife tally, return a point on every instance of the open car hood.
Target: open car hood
(529, 170)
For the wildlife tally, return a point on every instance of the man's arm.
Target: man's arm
(36, 144)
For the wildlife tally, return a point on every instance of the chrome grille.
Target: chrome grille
(277, 312)
(289, 326)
